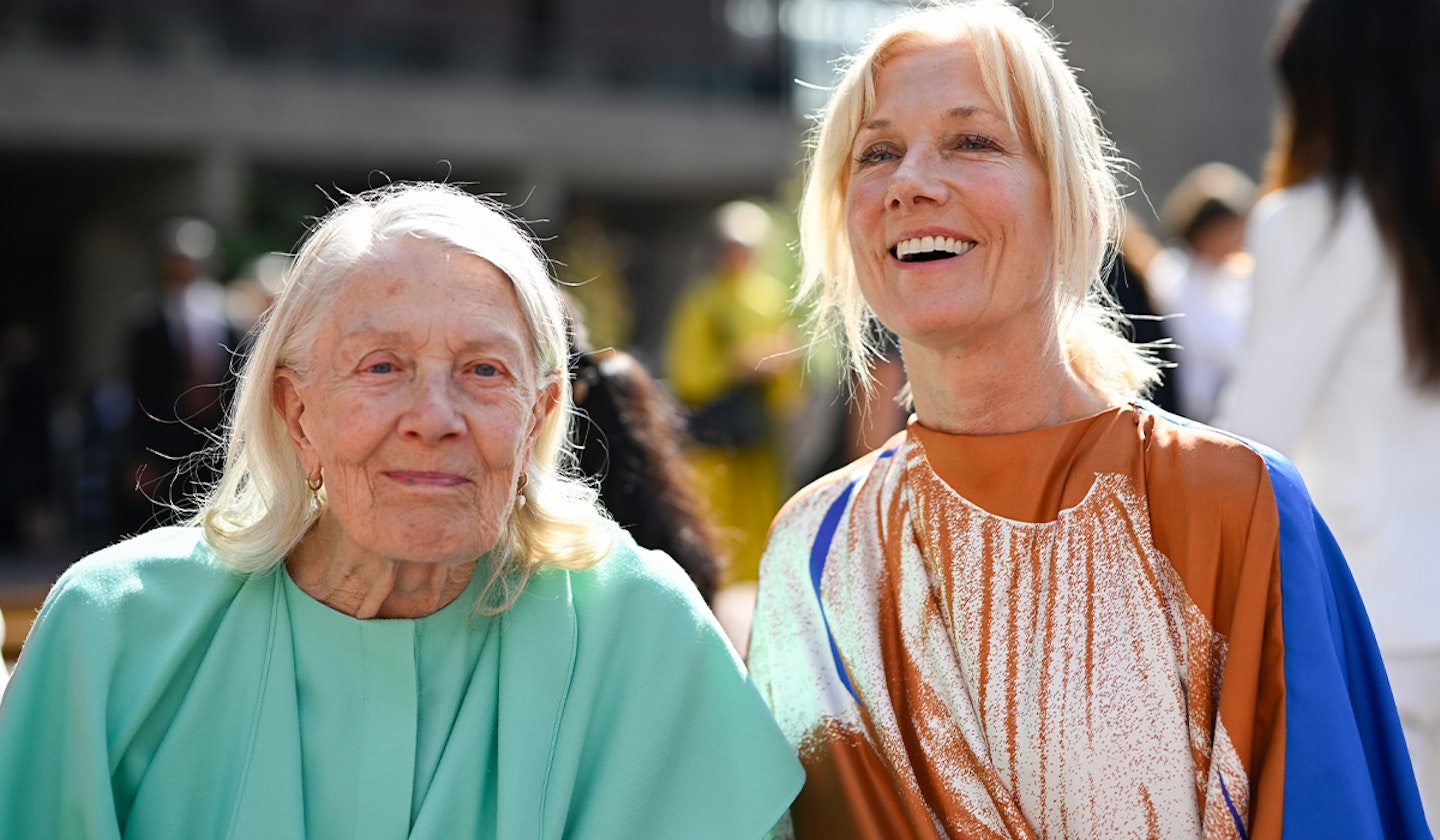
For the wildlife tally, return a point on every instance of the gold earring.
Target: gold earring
(520, 490)
(314, 485)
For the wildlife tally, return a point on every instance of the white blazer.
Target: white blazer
(1323, 380)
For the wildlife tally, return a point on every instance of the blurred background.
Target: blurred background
(615, 126)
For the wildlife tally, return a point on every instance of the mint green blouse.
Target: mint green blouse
(369, 748)
(160, 695)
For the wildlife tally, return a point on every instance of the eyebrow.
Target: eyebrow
(366, 333)
(958, 112)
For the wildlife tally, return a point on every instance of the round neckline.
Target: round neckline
(1061, 427)
(1033, 475)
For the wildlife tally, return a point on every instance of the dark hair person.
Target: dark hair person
(1045, 609)
(629, 437)
(399, 614)
(1341, 371)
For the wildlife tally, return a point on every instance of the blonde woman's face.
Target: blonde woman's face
(948, 208)
(422, 408)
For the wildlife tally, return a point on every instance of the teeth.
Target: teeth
(931, 244)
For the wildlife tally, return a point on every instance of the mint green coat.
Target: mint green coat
(162, 696)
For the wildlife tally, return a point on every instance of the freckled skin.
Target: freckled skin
(421, 410)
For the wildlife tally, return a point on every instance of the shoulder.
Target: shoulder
(1311, 215)
(1207, 478)
(633, 583)
(1209, 455)
(632, 618)
(1301, 204)
(813, 501)
(661, 732)
(821, 507)
(1286, 226)
(145, 581)
(628, 614)
(129, 613)
(132, 568)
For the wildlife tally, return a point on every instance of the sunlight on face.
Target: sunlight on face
(422, 407)
(948, 208)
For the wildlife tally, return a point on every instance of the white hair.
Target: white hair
(260, 507)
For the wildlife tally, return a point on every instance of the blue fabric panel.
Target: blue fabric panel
(818, 554)
(1347, 771)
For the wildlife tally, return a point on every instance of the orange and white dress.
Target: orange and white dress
(1127, 625)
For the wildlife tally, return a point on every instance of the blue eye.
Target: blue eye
(876, 154)
(381, 367)
(975, 142)
(485, 369)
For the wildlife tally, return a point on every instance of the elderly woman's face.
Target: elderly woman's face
(422, 406)
(948, 209)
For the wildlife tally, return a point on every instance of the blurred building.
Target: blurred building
(114, 116)
(644, 115)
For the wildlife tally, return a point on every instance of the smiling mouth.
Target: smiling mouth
(415, 478)
(929, 248)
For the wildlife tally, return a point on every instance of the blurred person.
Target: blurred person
(25, 469)
(252, 290)
(629, 437)
(178, 356)
(1204, 281)
(730, 359)
(398, 614)
(1045, 609)
(1342, 368)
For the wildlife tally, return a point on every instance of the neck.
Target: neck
(374, 587)
(988, 393)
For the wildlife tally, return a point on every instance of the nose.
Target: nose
(434, 414)
(915, 181)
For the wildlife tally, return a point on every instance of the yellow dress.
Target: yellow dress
(725, 333)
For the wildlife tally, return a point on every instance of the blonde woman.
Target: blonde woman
(1046, 608)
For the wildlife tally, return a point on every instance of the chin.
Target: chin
(433, 545)
(446, 533)
(934, 333)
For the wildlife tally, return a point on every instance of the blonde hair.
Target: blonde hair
(261, 508)
(1026, 76)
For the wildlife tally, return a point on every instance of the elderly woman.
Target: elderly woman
(395, 616)
(1045, 609)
